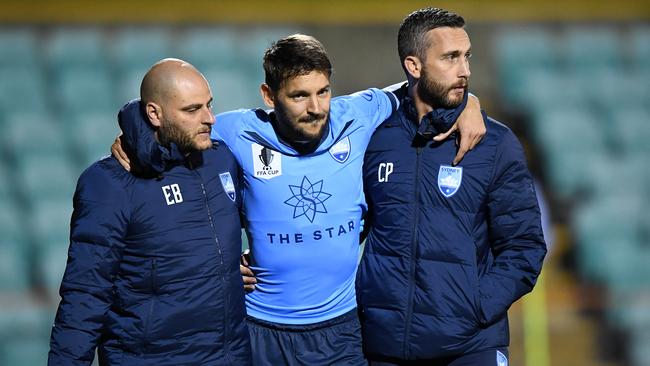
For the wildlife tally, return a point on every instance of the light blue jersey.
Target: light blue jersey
(303, 212)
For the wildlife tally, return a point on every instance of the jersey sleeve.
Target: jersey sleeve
(227, 127)
(374, 105)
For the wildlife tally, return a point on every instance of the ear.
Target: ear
(267, 95)
(154, 113)
(413, 66)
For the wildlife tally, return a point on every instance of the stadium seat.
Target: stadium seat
(616, 89)
(543, 90)
(589, 49)
(14, 265)
(25, 351)
(127, 85)
(22, 89)
(91, 135)
(44, 177)
(140, 47)
(209, 47)
(85, 89)
(24, 333)
(19, 48)
(519, 51)
(52, 261)
(630, 127)
(29, 133)
(608, 233)
(640, 48)
(75, 47)
(232, 89)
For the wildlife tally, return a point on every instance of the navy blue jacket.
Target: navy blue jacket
(449, 248)
(153, 267)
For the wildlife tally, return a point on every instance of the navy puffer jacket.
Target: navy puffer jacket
(153, 267)
(450, 248)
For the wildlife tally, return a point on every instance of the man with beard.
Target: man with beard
(153, 266)
(449, 248)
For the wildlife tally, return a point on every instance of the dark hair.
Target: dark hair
(295, 55)
(411, 39)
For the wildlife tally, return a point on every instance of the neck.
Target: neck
(289, 137)
(421, 106)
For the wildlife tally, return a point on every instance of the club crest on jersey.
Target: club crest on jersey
(228, 185)
(502, 360)
(341, 150)
(449, 179)
(267, 163)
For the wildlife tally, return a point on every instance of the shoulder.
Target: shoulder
(500, 133)
(231, 123)
(362, 99)
(105, 180)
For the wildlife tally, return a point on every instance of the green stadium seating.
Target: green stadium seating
(608, 232)
(209, 47)
(85, 89)
(22, 89)
(589, 48)
(46, 176)
(520, 51)
(140, 47)
(52, 261)
(640, 47)
(74, 47)
(91, 135)
(232, 89)
(631, 129)
(19, 48)
(29, 133)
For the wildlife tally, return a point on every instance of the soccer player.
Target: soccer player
(153, 267)
(450, 248)
(303, 202)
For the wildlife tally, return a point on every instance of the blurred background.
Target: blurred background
(571, 78)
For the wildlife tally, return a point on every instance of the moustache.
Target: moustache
(312, 118)
(459, 85)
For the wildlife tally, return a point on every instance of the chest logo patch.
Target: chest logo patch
(228, 185)
(502, 360)
(308, 199)
(267, 163)
(449, 180)
(341, 150)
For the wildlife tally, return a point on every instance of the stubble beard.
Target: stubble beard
(437, 94)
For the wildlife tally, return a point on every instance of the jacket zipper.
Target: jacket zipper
(414, 243)
(223, 275)
(154, 268)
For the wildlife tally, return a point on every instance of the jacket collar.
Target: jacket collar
(146, 154)
(439, 120)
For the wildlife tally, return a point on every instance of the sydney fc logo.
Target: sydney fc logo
(502, 360)
(308, 199)
(267, 163)
(449, 179)
(341, 150)
(228, 185)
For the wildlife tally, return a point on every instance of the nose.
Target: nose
(207, 116)
(313, 105)
(463, 71)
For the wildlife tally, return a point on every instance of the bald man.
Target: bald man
(153, 267)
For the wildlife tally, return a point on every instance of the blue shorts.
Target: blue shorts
(332, 342)
(492, 357)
